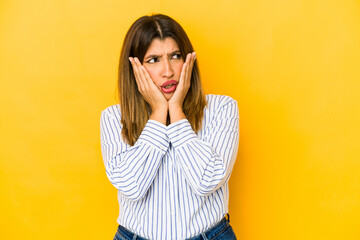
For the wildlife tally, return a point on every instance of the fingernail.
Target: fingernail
(130, 59)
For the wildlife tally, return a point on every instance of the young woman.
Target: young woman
(168, 148)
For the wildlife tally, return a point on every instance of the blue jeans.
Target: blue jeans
(221, 231)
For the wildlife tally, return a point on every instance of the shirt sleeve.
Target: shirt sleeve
(207, 162)
(132, 169)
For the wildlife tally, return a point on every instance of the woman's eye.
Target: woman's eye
(153, 60)
(177, 56)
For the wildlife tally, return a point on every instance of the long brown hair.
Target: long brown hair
(135, 111)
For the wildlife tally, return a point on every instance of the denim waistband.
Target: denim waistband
(214, 231)
(127, 234)
(210, 233)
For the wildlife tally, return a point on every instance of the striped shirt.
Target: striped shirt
(173, 183)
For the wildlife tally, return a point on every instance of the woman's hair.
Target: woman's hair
(135, 111)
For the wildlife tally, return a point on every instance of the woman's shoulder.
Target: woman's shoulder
(217, 101)
(112, 111)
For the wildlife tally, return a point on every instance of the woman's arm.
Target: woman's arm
(207, 163)
(131, 169)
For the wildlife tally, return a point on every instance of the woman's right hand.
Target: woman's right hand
(149, 91)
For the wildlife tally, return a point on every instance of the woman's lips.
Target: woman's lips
(169, 86)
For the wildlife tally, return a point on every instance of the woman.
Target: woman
(168, 148)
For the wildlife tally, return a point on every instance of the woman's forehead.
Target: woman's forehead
(159, 46)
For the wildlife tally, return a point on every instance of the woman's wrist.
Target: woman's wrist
(176, 113)
(159, 114)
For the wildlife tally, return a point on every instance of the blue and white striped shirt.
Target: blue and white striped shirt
(173, 183)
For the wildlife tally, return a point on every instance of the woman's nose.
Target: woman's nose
(167, 69)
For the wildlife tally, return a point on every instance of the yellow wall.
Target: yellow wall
(293, 67)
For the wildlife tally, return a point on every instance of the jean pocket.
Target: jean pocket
(227, 234)
(118, 237)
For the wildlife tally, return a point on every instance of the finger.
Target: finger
(142, 75)
(190, 68)
(184, 69)
(188, 58)
(147, 75)
(193, 58)
(139, 79)
(135, 70)
(183, 73)
(188, 65)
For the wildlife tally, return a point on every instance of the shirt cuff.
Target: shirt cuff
(180, 132)
(154, 133)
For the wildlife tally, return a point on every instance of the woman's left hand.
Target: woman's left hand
(183, 86)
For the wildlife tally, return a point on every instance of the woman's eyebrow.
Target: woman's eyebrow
(174, 52)
(152, 56)
(158, 56)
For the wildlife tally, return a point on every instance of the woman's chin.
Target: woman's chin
(168, 95)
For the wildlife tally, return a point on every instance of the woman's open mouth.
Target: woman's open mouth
(169, 86)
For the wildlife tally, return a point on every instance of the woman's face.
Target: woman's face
(163, 61)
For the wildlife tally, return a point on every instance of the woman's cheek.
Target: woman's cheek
(151, 73)
(179, 69)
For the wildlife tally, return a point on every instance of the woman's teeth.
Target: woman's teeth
(169, 86)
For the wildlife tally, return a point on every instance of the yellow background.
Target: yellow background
(293, 66)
